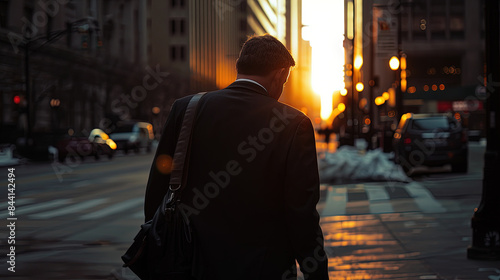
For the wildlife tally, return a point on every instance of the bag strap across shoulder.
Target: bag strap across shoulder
(183, 143)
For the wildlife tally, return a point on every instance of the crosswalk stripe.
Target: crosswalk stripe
(115, 208)
(69, 209)
(138, 215)
(23, 201)
(424, 199)
(336, 202)
(37, 207)
(379, 200)
(376, 193)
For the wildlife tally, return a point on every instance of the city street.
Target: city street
(75, 220)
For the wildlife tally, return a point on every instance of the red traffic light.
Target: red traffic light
(17, 99)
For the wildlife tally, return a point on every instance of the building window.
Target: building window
(173, 53)
(182, 50)
(50, 24)
(457, 19)
(4, 7)
(173, 3)
(420, 20)
(28, 14)
(437, 20)
(243, 25)
(177, 26)
(173, 28)
(182, 26)
(177, 53)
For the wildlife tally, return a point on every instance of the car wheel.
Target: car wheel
(98, 153)
(461, 167)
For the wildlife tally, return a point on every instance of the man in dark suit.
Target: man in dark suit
(253, 183)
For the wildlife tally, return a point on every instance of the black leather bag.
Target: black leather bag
(164, 246)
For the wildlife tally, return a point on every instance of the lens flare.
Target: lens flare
(164, 164)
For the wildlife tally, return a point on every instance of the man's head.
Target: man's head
(266, 60)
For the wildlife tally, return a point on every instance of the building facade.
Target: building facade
(440, 47)
(75, 65)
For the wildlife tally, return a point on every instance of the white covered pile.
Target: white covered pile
(349, 165)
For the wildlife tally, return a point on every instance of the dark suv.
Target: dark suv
(430, 140)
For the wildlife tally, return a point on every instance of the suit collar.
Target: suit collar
(249, 86)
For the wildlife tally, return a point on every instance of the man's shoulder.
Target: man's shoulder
(290, 111)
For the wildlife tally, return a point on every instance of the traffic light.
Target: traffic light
(17, 99)
(84, 31)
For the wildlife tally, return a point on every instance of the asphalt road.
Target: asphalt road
(75, 220)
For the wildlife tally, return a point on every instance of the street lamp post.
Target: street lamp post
(486, 219)
(30, 47)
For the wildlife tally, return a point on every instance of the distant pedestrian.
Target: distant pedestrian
(253, 181)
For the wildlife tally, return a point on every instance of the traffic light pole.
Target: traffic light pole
(486, 219)
(28, 48)
(28, 91)
(399, 91)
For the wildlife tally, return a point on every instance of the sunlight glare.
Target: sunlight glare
(325, 21)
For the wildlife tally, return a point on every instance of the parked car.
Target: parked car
(133, 136)
(430, 140)
(74, 146)
(103, 144)
(78, 146)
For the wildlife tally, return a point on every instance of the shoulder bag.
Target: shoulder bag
(163, 248)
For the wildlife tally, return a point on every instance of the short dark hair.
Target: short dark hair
(262, 54)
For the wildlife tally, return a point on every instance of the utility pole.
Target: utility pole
(399, 91)
(31, 46)
(486, 219)
(27, 85)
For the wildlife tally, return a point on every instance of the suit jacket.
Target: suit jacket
(252, 188)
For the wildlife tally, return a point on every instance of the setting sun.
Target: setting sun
(325, 31)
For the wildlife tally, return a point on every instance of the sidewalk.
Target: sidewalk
(403, 246)
(406, 244)
(396, 246)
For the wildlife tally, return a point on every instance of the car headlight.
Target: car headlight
(111, 143)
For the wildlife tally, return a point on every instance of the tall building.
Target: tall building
(71, 66)
(80, 64)
(442, 43)
(283, 19)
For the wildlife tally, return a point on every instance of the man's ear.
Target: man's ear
(283, 74)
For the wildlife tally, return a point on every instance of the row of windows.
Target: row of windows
(178, 3)
(437, 19)
(177, 26)
(178, 53)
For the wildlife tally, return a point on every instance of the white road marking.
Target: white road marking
(379, 199)
(336, 202)
(21, 210)
(424, 199)
(115, 208)
(69, 209)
